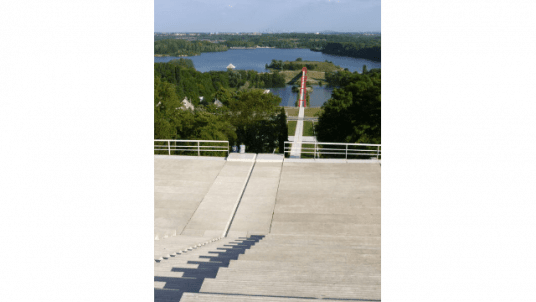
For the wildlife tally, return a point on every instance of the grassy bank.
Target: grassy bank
(308, 129)
(309, 111)
(314, 76)
(292, 128)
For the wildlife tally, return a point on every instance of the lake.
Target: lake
(255, 59)
(316, 98)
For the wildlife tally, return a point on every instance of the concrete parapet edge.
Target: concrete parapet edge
(262, 158)
(189, 157)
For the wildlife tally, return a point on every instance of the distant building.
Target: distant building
(231, 66)
(217, 103)
(266, 91)
(187, 105)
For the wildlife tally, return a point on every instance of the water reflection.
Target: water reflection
(318, 97)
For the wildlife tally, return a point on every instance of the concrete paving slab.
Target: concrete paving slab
(309, 139)
(173, 189)
(246, 157)
(356, 197)
(349, 229)
(345, 209)
(190, 205)
(193, 232)
(180, 185)
(290, 289)
(257, 204)
(219, 204)
(206, 297)
(179, 198)
(275, 158)
(237, 233)
(182, 157)
(369, 218)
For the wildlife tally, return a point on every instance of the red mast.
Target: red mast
(303, 90)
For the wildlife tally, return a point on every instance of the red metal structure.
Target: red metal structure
(303, 89)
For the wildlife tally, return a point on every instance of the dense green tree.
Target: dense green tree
(165, 100)
(254, 114)
(250, 117)
(176, 47)
(224, 96)
(353, 114)
(343, 44)
(283, 130)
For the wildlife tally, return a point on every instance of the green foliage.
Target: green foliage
(308, 128)
(165, 102)
(254, 114)
(283, 129)
(354, 45)
(250, 117)
(192, 84)
(353, 114)
(292, 128)
(176, 47)
(356, 50)
(298, 65)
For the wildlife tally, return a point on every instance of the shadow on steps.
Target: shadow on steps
(193, 278)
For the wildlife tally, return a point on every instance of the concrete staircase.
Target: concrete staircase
(301, 230)
(273, 268)
(187, 271)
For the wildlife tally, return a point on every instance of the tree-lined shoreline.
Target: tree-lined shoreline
(350, 45)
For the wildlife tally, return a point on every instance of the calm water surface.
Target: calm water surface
(255, 59)
(316, 99)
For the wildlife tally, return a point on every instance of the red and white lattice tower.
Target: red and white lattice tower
(303, 90)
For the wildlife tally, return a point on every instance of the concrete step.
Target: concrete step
(328, 256)
(294, 266)
(266, 246)
(202, 297)
(311, 228)
(188, 247)
(189, 252)
(179, 267)
(321, 240)
(312, 259)
(288, 276)
(191, 264)
(293, 289)
(362, 272)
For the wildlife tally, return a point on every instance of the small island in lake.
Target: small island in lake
(291, 70)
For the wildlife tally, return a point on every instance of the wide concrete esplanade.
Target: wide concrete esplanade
(259, 227)
(298, 135)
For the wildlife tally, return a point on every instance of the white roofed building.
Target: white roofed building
(187, 105)
(231, 66)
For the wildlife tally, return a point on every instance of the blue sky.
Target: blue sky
(266, 15)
